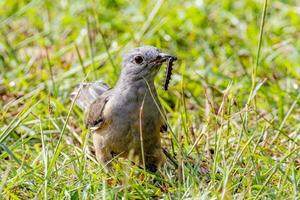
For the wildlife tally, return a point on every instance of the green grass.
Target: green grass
(233, 104)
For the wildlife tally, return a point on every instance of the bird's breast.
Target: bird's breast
(133, 110)
(133, 103)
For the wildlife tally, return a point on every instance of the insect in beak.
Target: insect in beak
(169, 59)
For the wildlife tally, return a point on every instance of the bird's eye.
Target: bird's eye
(138, 59)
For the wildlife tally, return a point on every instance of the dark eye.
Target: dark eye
(138, 59)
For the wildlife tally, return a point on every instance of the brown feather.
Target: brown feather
(94, 115)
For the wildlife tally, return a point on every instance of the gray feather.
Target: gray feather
(87, 93)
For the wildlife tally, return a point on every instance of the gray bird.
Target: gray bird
(123, 116)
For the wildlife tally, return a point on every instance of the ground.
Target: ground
(233, 104)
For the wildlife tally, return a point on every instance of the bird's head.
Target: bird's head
(143, 62)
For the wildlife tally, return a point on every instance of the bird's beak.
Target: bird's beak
(163, 57)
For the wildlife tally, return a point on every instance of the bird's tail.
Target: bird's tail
(85, 93)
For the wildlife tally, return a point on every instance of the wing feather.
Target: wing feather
(94, 118)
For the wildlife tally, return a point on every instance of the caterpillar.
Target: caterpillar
(168, 73)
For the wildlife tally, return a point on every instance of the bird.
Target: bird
(126, 120)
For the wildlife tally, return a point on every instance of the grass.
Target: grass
(233, 104)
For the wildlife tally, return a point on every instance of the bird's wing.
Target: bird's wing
(94, 118)
(86, 93)
(164, 128)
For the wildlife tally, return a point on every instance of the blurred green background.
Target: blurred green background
(229, 144)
